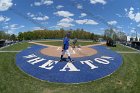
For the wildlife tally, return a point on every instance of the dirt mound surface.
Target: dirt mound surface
(76, 52)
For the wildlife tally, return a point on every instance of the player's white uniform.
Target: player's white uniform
(66, 52)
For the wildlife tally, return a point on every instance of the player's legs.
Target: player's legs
(68, 53)
(63, 52)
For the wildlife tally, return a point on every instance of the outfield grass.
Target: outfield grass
(122, 48)
(60, 43)
(17, 47)
(125, 80)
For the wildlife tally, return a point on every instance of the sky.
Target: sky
(91, 15)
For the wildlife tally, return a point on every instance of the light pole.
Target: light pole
(136, 35)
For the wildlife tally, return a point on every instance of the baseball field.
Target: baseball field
(124, 80)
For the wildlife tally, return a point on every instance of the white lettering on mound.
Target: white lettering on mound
(89, 63)
(103, 60)
(30, 56)
(36, 60)
(33, 59)
(107, 57)
(69, 66)
(49, 65)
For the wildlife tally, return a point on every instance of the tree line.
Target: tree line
(115, 35)
(6, 36)
(57, 34)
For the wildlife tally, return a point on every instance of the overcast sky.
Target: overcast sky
(24, 15)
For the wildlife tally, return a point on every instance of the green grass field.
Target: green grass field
(17, 47)
(124, 80)
(121, 48)
(59, 43)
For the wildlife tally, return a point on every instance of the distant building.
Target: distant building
(129, 38)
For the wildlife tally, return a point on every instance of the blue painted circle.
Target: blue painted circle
(86, 74)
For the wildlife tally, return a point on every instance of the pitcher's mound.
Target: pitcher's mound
(76, 52)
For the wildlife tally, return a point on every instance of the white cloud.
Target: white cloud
(79, 6)
(131, 8)
(4, 19)
(86, 21)
(47, 2)
(133, 16)
(138, 25)
(119, 15)
(6, 27)
(64, 13)
(98, 1)
(37, 3)
(5, 4)
(112, 22)
(13, 27)
(37, 28)
(40, 17)
(125, 10)
(65, 25)
(30, 14)
(137, 17)
(59, 7)
(57, 27)
(43, 2)
(43, 18)
(66, 20)
(133, 31)
(83, 15)
(16, 26)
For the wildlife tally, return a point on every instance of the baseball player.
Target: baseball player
(66, 47)
(74, 43)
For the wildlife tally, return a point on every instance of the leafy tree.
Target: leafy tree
(20, 36)
(13, 37)
(4, 35)
(56, 34)
(114, 35)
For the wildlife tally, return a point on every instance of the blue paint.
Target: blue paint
(86, 74)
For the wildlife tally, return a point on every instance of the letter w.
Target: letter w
(35, 59)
